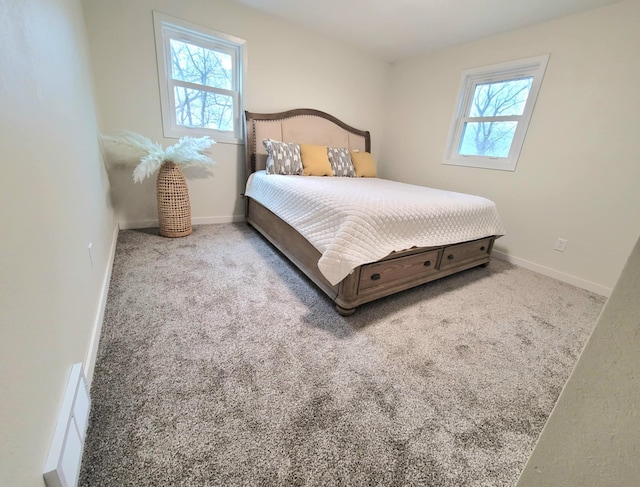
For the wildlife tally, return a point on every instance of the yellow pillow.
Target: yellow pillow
(315, 161)
(364, 164)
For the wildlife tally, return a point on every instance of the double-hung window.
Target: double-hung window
(494, 108)
(200, 73)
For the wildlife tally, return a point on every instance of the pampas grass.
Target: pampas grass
(126, 147)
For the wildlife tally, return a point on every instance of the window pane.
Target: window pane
(491, 139)
(196, 64)
(503, 98)
(203, 109)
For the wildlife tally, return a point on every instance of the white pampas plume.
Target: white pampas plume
(127, 147)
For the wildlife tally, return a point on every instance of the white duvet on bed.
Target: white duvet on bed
(354, 221)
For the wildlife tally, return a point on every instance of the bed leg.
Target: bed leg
(345, 311)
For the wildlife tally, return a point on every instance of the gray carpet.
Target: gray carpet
(220, 364)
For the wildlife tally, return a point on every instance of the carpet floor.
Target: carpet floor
(220, 364)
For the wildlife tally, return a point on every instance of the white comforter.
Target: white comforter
(354, 221)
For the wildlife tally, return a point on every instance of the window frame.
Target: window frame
(167, 28)
(531, 67)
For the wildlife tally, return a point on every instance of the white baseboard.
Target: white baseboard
(561, 276)
(212, 220)
(137, 224)
(92, 354)
(200, 220)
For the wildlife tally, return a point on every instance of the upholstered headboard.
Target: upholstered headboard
(303, 126)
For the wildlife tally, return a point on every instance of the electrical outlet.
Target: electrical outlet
(91, 253)
(561, 244)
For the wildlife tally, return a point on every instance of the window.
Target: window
(494, 108)
(200, 74)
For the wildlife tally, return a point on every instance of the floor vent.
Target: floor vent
(63, 464)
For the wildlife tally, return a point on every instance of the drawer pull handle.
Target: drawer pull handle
(375, 277)
(482, 248)
(450, 256)
(427, 263)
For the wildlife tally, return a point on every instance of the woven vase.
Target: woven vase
(174, 209)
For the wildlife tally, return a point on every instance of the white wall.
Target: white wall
(288, 67)
(54, 201)
(593, 434)
(578, 173)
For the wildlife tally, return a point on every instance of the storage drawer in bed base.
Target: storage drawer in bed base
(399, 272)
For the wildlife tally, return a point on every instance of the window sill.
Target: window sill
(219, 138)
(499, 164)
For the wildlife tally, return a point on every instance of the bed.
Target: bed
(343, 251)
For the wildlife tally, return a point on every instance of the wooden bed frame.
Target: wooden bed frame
(396, 272)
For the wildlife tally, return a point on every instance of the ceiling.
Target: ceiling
(396, 29)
